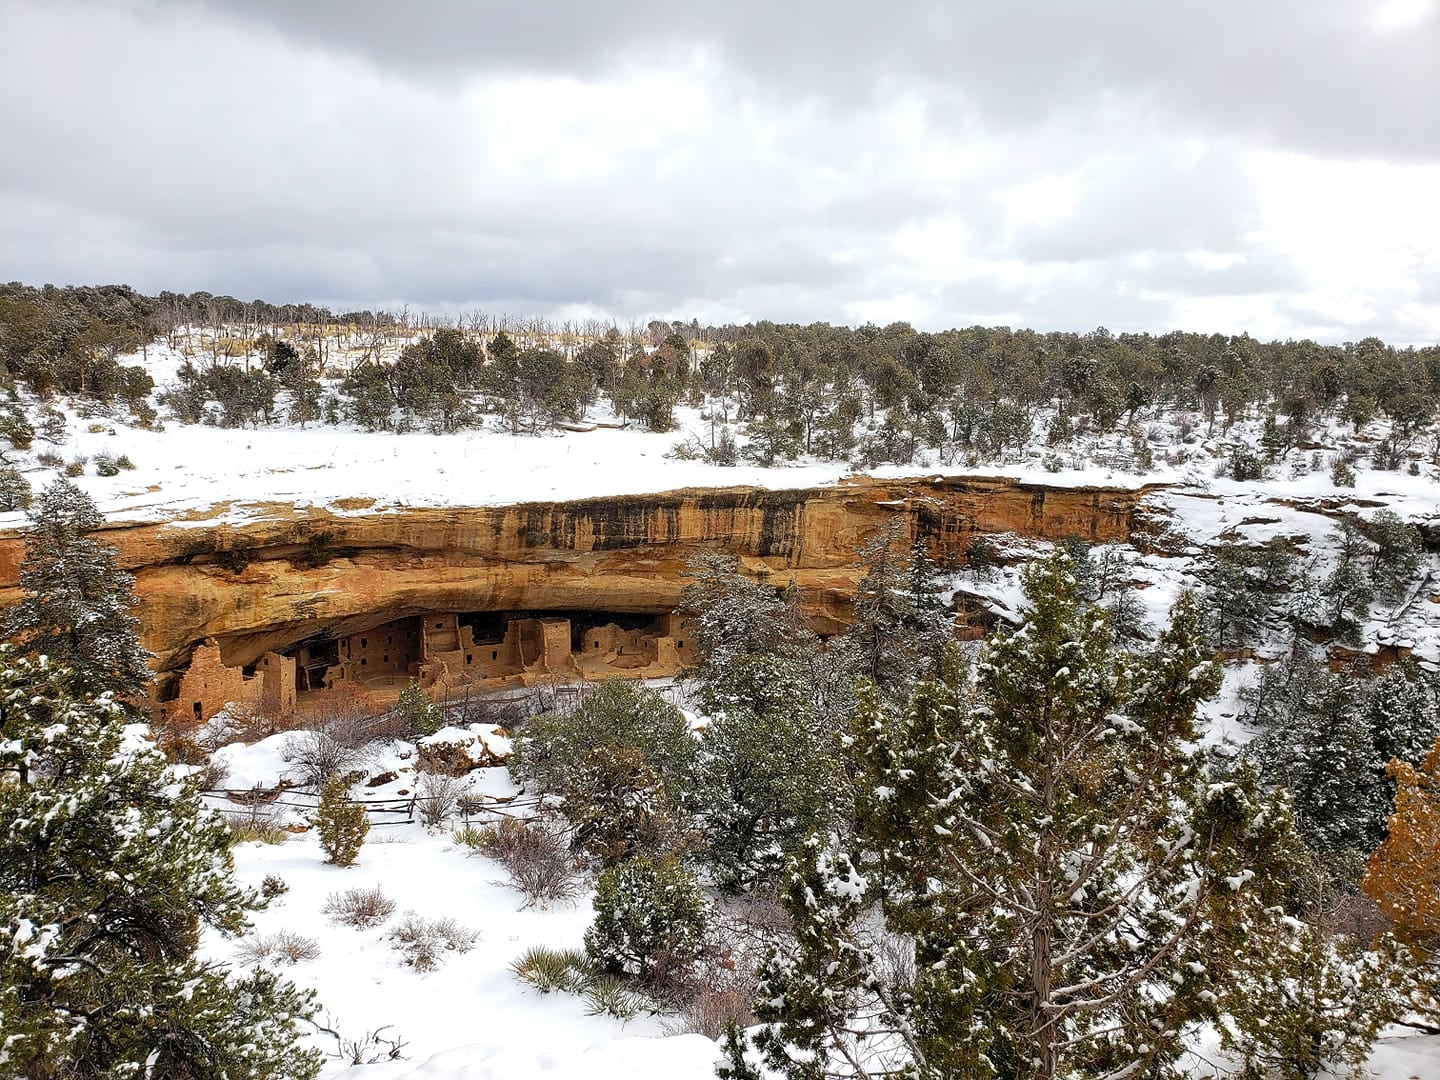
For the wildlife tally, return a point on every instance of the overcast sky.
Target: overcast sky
(1261, 165)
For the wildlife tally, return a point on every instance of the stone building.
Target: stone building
(443, 651)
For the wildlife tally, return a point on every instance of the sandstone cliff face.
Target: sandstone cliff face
(284, 575)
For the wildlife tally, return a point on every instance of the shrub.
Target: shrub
(256, 824)
(106, 465)
(717, 1007)
(317, 757)
(620, 713)
(273, 886)
(15, 493)
(549, 969)
(981, 554)
(436, 797)
(420, 941)
(359, 908)
(608, 995)
(1342, 473)
(342, 824)
(76, 466)
(15, 427)
(50, 459)
(539, 862)
(283, 947)
(618, 807)
(1245, 464)
(650, 920)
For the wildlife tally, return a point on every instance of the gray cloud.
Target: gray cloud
(1053, 165)
(1307, 74)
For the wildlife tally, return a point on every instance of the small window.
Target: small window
(363, 661)
(198, 710)
(364, 642)
(389, 640)
(385, 659)
(679, 644)
(439, 626)
(469, 659)
(495, 654)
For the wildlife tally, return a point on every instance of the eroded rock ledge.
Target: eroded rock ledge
(279, 576)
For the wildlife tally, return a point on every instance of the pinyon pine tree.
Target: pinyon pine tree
(76, 608)
(109, 870)
(1074, 891)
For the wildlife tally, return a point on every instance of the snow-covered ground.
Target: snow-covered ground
(472, 1018)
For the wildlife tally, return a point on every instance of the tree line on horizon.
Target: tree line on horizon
(870, 394)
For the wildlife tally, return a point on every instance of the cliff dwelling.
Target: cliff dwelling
(442, 651)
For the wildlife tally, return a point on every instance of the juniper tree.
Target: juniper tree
(109, 871)
(766, 777)
(341, 824)
(1316, 741)
(1077, 889)
(418, 714)
(76, 603)
(744, 632)
(1397, 552)
(900, 629)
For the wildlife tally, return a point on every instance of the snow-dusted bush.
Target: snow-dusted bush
(15, 493)
(539, 861)
(549, 751)
(650, 920)
(316, 757)
(359, 908)
(421, 942)
(282, 947)
(436, 798)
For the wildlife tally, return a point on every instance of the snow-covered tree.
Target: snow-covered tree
(1314, 1006)
(1397, 552)
(418, 714)
(76, 607)
(1077, 889)
(900, 630)
(730, 617)
(342, 825)
(766, 778)
(109, 870)
(1404, 712)
(1316, 741)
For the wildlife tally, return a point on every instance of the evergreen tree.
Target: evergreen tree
(650, 919)
(341, 824)
(550, 750)
(418, 715)
(900, 630)
(1397, 552)
(1316, 741)
(76, 607)
(766, 778)
(1077, 887)
(109, 870)
(1403, 707)
(15, 493)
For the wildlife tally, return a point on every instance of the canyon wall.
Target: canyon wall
(277, 575)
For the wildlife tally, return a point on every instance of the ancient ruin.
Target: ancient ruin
(443, 652)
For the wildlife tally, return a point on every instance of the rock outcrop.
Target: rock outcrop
(280, 575)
